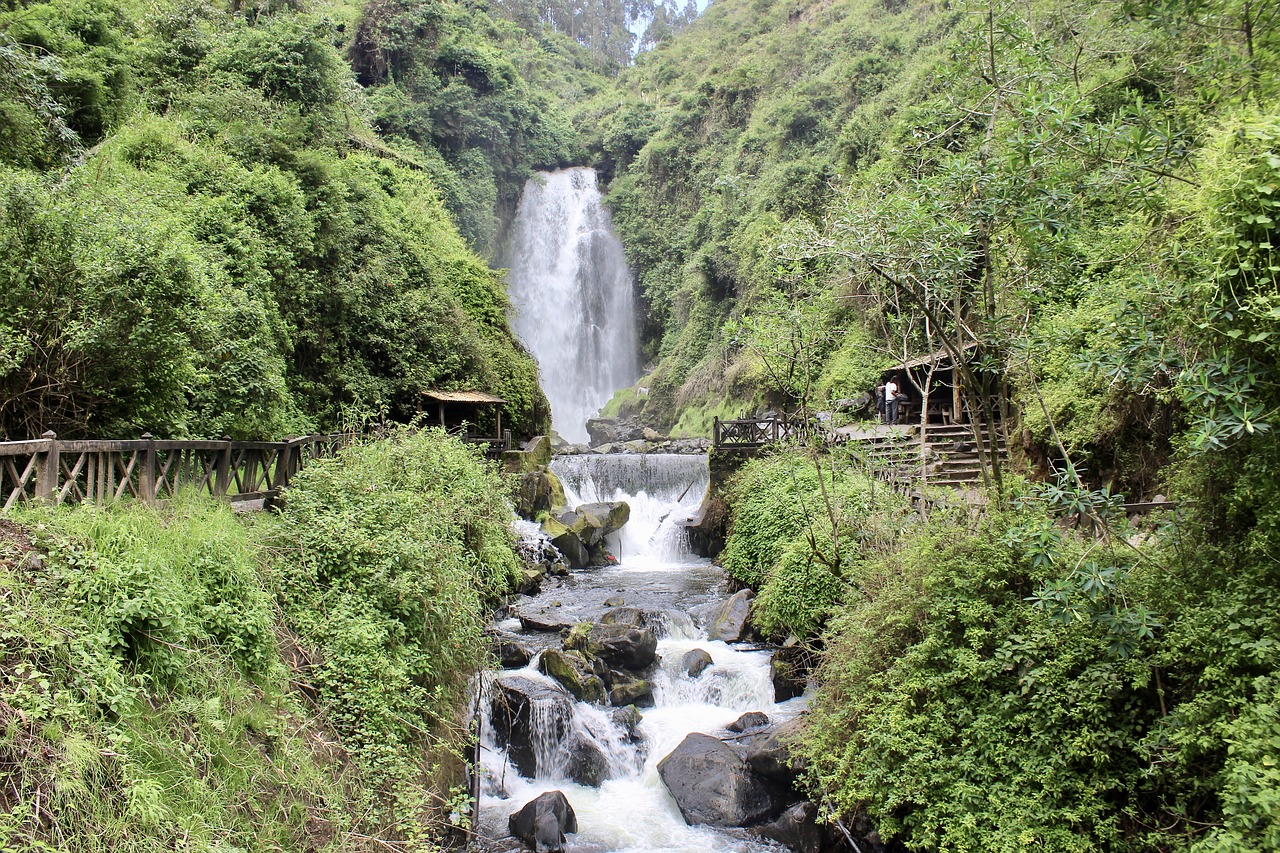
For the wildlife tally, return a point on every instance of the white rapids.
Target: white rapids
(632, 812)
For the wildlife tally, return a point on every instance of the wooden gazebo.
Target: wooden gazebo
(935, 371)
(456, 409)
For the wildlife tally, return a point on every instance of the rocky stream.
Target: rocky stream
(635, 713)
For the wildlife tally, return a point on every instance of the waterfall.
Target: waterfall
(571, 296)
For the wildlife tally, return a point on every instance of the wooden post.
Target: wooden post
(281, 479)
(498, 434)
(47, 470)
(222, 476)
(147, 473)
(715, 431)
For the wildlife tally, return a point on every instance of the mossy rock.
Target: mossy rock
(558, 500)
(578, 672)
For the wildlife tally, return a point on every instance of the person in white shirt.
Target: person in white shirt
(891, 402)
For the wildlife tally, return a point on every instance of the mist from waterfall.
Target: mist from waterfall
(572, 297)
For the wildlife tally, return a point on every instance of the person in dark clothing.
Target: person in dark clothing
(880, 401)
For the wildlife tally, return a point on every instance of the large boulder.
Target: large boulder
(569, 543)
(543, 822)
(510, 651)
(593, 522)
(748, 721)
(627, 689)
(713, 784)
(798, 829)
(613, 430)
(624, 646)
(729, 621)
(516, 702)
(633, 616)
(584, 760)
(695, 661)
(769, 752)
(581, 675)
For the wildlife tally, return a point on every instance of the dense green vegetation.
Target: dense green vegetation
(179, 678)
(254, 220)
(202, 234)
(1086, 194)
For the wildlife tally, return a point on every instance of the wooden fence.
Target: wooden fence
(151, 470)
(749, 433)
(752, 433)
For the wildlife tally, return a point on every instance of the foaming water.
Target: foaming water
(631, 811)
(662, 489)
(572, 297)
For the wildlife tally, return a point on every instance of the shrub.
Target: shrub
(386, 557)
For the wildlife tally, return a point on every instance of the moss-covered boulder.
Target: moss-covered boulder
(628, 689)
(535, 456)
(567, 542)
(625, 646)
(581, 674)
(592, 522)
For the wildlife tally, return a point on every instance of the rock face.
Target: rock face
(543, 821)
(713, 784)
(695, 661)
(517, 701)
(625, 646)
(729, 621)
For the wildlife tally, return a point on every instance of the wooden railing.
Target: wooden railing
(748, 432)
(151, 470)
(751, 433)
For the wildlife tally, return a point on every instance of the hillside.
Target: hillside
(833, 166)
(203, 234)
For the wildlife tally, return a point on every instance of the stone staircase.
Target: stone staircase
(954, 453)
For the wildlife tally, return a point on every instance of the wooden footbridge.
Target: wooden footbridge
(148, 469)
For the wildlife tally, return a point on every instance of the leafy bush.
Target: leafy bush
(799, 540)
(386, 558)
(143, 701)
(960, 717)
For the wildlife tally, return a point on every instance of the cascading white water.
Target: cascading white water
(632, 812)
(663, 491)
(572, 296)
